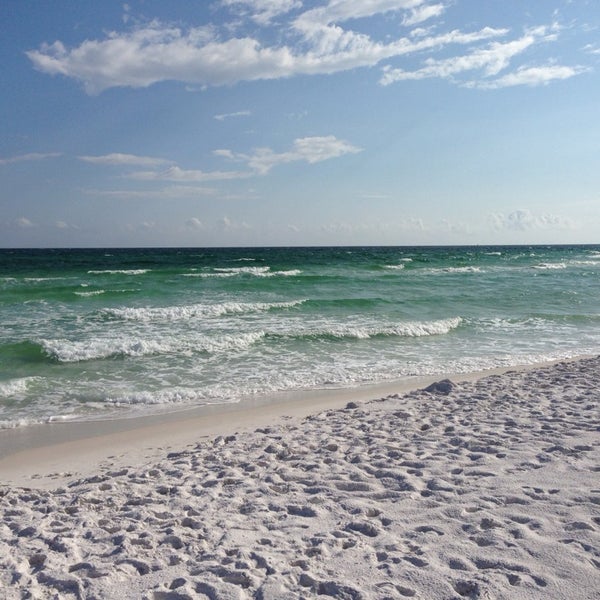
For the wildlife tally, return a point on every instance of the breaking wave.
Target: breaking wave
(69, 351)
(176, 313)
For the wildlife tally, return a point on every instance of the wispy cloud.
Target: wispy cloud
(423, 13)
(166, 193)
(490, 60)
(128, 160)
(28, 157)
(263, 11)
(194, 223)
(187, 175)
(24, 223)
(525, 220)
(239, 113)
(324, 39)
(309, 149)
(592, 48)
(534, 76)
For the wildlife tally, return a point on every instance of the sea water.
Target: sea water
(103, 333)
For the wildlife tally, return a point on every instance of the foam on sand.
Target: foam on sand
(481, 489)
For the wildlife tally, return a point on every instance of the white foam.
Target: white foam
(256, 271)
(550, 266)
(68, 351)
(243, 270)
(42, 279)
(408, 329)
(452, 270)
(395, 267)
(88, 294)
(119, 272)
(13, 387)
(175, 313)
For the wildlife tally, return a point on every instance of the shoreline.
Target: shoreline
(53, 454)
(484, 488)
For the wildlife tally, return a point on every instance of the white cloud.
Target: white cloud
(28, 157)
(423, 13)
(24, 223)
(592, 49)
(159, 53)
(156, 52)
(264, 11)
(177, 174)
(534, 76)
(525, 220)
(491, 60)
(119, 159)
(309, 149)
(227, 224)
(338, 11)
(224, 153)
(323, 39)
(240, 113)
(167, 193)
(194, 223)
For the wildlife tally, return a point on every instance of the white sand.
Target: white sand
(486, 489)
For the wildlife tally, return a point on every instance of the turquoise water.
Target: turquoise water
(91, 334)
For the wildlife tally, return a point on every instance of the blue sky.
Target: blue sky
(297, 122)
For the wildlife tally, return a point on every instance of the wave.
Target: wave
(209, 275)
(119, 272)
(176, 313)
(89, 294)
(68, 351)
(257, 271)
(452, 270)
(13, 387)
(42, 279)
(546, 321)
(177, 395)
(363, 332)
(550, 266)
(241, 271)
(395, 267)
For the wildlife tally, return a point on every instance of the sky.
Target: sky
(299, 122)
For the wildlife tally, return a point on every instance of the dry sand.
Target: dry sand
(482, 489)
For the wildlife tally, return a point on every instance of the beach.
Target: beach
(485, 488)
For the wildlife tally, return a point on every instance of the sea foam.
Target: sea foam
(175, 313)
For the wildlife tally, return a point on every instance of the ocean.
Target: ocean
(108, 333)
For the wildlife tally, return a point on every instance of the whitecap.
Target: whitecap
(70, 351)
(243, 270)
(119, 272)
(12, 387)
(256, 271)
(174, 313)
(408, 329)
(88, 294)
(550, 266)
(454, 270)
